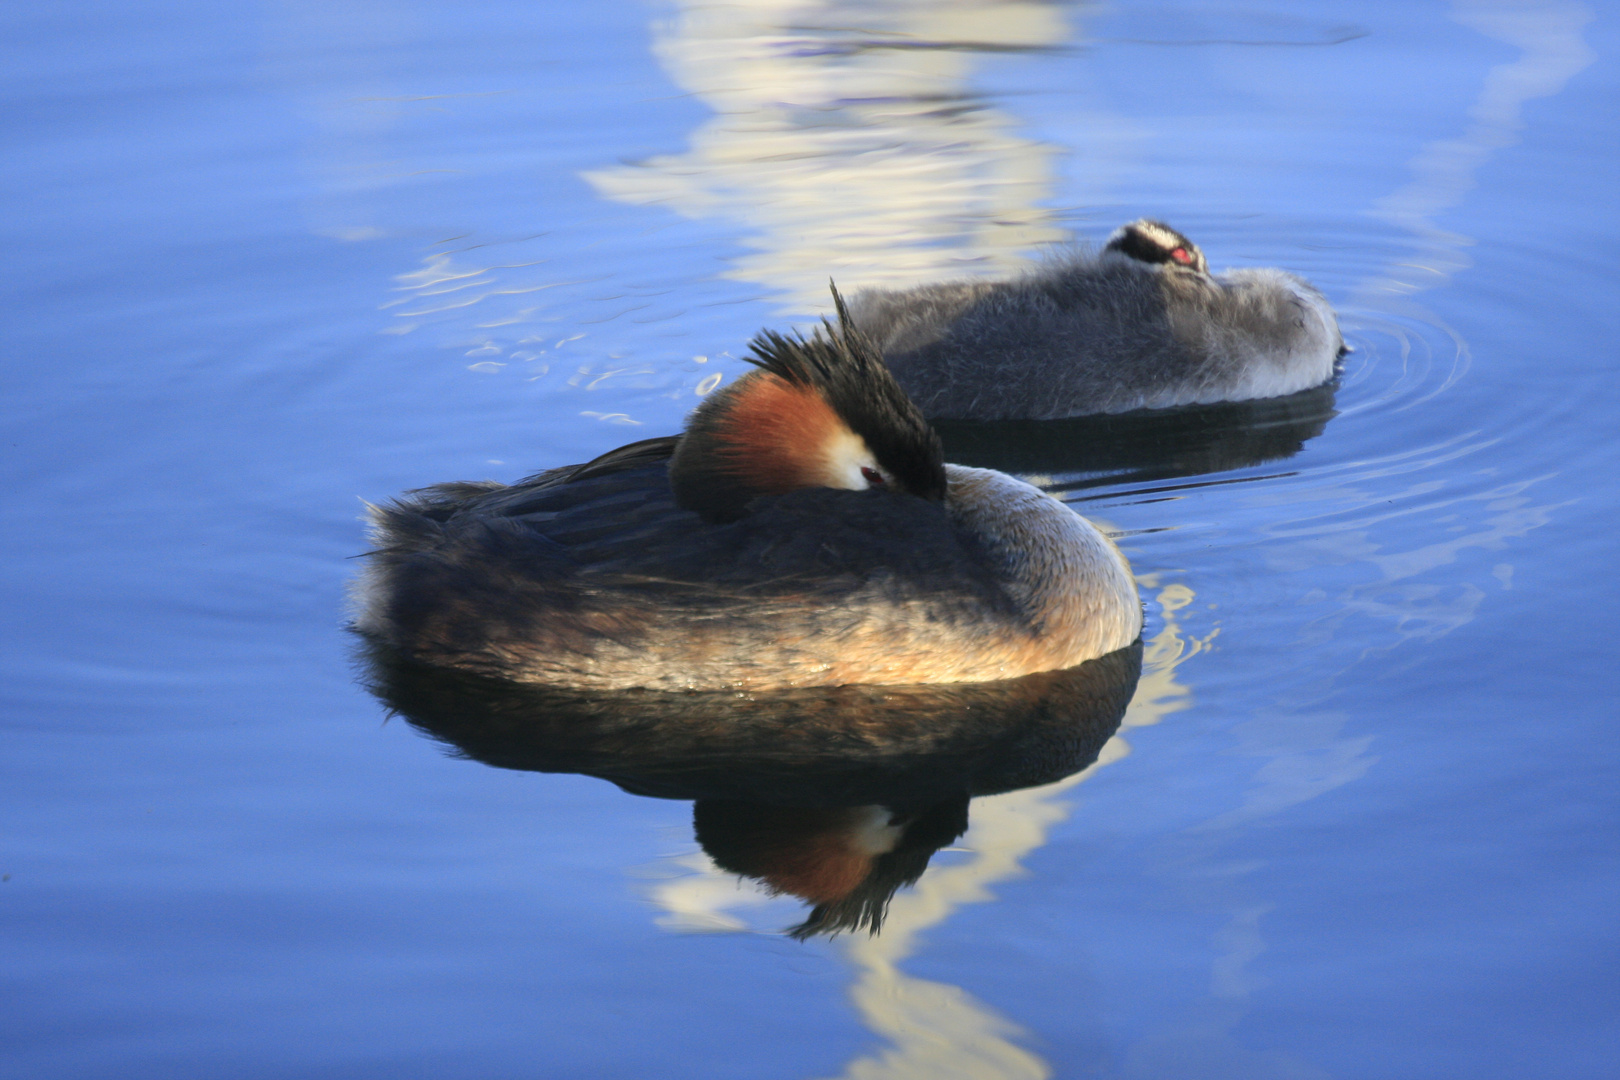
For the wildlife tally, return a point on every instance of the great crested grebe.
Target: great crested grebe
(803, 531)
(1141, 325)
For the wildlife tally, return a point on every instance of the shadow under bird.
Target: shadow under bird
(804, 530)
(1142, 324)
(1145, 445)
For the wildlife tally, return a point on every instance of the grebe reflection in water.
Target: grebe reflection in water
(1142, 324)
(836, 795)
(803, 531)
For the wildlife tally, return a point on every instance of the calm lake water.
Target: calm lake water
(1360, 820)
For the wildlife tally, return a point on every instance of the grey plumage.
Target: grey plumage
(1140, 324)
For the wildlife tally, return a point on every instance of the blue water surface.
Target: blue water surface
(270, 260)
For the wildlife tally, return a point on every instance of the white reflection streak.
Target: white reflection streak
(937, 1031)
(1306, 751)
(1419, 611)
(1307, 755)
(848, 142)
(1443, 171)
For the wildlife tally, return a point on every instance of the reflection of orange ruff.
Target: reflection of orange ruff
(834, 853)
(848, 862)
(824, 872)
(803, 531)
(819, 855)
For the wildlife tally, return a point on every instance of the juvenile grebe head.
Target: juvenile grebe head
(822, 411)
(1155, 242)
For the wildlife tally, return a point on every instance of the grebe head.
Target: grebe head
(822, 411)
(1155, 242)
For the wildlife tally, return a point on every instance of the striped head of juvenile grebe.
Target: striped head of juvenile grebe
(822, 411)
(1156, 243)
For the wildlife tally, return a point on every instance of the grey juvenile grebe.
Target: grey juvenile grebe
(803, 531)
(1142, 325)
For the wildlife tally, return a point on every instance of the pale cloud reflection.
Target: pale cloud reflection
(1303, 748)
(1306, 751)
(1416, 610)
(939, 1031)
(1552, 52)
(848, 141)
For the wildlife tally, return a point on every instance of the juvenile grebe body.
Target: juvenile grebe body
(1142, 324)
(803, 531)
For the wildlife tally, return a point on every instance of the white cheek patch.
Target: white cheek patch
(843, 457)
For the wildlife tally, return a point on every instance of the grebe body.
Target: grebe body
(803, 531)
(1142, 324)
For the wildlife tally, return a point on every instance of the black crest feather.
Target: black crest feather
(842, 367)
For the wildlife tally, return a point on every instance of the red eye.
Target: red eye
(1181, 255)
(872, 477)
